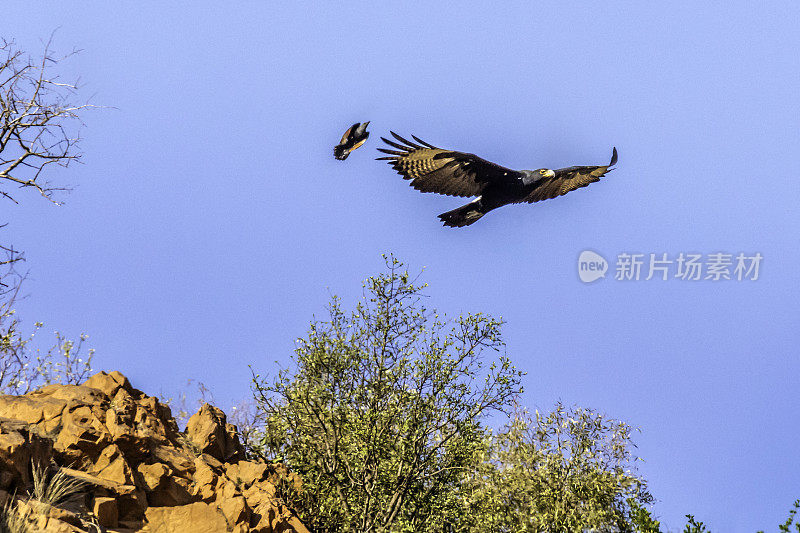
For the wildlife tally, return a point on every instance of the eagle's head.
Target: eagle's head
(532, 176)
(545, 173)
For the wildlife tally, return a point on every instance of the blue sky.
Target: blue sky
(210, 222)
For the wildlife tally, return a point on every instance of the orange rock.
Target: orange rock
(196, 517)
(82, 435)
(205, 477)
(278, 519)
(260, 494)
(48, 519)
(235, 509)
(21, 446)
(180, 460)
(171, 492)
(292, 524)
(105, 509)
(246, 472)
(112, 465)
(78, 394)
(109, 383)
(136, 465)
(131, 500)
(30, 410)
(209, 431)
(13, 452)
(147, 422)
(153, 474)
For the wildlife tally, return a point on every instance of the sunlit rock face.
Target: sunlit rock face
(138, 471)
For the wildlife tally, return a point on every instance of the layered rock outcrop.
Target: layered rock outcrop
(140, 473)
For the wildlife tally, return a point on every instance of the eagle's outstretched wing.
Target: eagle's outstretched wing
(568, 179)
(433, 169)
(348, 133)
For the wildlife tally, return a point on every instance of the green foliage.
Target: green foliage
(382, 415)
(693, 526)
(786, 527)
(568, 470)
(23, 366)
(641, 519)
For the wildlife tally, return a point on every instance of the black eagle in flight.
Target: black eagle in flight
(355, 136)
(433, 169)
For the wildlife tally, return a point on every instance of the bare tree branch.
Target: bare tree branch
(39, 121)
(39, 128)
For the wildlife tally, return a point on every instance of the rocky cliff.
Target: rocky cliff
(137, 471)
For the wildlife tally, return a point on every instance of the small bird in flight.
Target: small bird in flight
(355, 136)
(433, 169)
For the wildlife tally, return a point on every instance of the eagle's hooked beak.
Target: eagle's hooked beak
(547, 173)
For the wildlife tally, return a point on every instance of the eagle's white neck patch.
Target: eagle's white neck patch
(532, 176)
(529, 176)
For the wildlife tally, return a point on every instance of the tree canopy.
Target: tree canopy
(385, 415)
(382, 414)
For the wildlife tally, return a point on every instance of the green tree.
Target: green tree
(693, 526)
(382, 415)
(568, 470)
(787, 526)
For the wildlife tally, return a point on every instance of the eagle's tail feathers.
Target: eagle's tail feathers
(340, 153)
(462, 216)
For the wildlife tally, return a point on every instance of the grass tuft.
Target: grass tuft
(55, 489)
(13, 519)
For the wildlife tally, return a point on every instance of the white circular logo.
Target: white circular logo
(591, 266)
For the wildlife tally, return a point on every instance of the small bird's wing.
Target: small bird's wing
(433, 169)
(349, 132)
(568, 179)
(359, 143)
